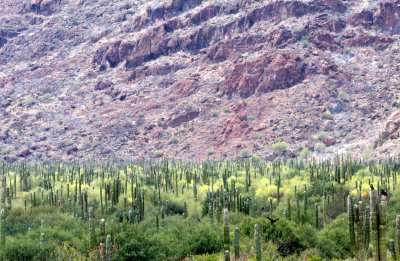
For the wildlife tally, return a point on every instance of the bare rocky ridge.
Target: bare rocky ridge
(191, 79)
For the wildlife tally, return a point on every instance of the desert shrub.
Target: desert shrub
(158, 153)
(333, 241)
(133, 244)
(280, 146)
(205, 239)
(29, 101)
(319, 147)
(279, 233)
(174, 140)
(304, 153)
(327, 115)
(322, 135)
(21, 248)
(173, 208)
(245, 154)
(343, 96)
(214, 113)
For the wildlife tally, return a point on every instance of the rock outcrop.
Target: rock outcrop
(45, 7)
(387, 16)
(266, 74)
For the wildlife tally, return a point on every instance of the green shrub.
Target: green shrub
(172, 208)
(327, 115)
(245, 154)
(319, 147)
(343, 96)
(158, 154)
(322, 135)
(137, 245)
(280, 146)
(304, 153)
(174, 140)
(205, 239)
(28, 100)
(22, 248)
(333, 241)
(214, 113)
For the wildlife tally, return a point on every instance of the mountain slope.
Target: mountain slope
(193, 79)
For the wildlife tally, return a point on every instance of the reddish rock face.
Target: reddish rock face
(364, 18)
(324, 40)
(392, 126)
(112, 54)
(183, 88)
(265, 74)
(182, 118)
(387, 16)
(127, 76)
(362, 38)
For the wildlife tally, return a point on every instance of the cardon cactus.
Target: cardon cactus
(227, 257)
(257, 241)
(392, 249)
(350, 214)
(3, 191)
(398, 231)
(382, 230)
(237, 243)
(157, 221)
(359, 219)
(367, 228)
(108, 248)
(2, 227)
(92, 240)
(317, 225)
(374, 223)
(102, 230)
(226, 229)
(42, 240)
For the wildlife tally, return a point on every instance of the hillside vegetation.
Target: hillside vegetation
(173, 210)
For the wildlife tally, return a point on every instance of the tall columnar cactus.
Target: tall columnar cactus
(289, 209)
(374, 222)
(2, 227)
(237, 243)
(195, 192)
(102, 230)
(92, 240)
(226, 229)
(257, 241)
(108, 248)
(42, 240)
(398, 231)
(8, 195)
(3, 191)
(317, 216)
(392, 249)
(324, 210)
(157, 221)
(359, 219)
(226, 256)
(185, 213)
(350, 214)
(382, 229)
(367, 228)
(101, 201)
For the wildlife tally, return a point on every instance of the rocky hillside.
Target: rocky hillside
(191, 79)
